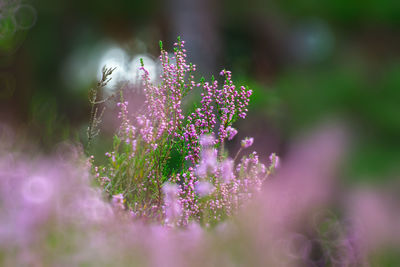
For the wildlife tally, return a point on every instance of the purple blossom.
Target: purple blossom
(231, 132)
(172, 206)
(208, 163)
(227, 170)
(275, 162)
(204, 188)
(118, 201)
(207, 140)
(247, 142)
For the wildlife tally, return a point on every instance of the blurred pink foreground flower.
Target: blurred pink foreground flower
(288, 224)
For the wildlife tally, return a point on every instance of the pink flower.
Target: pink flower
(118, 201)
(247, 142)
(227, 170)
(231, 132)
(274, 160)
(208, 163)
(204, 188)
(207, 140)
(170, 190)
(172, 208)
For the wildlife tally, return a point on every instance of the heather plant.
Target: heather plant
(172, 166)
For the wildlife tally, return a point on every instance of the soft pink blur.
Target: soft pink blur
(51, 215)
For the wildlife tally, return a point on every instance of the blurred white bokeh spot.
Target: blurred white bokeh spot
(114, 57)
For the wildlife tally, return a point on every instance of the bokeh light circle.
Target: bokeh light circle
(25, 17)
(37, 190)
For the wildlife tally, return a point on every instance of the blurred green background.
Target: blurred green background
(307, 62)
